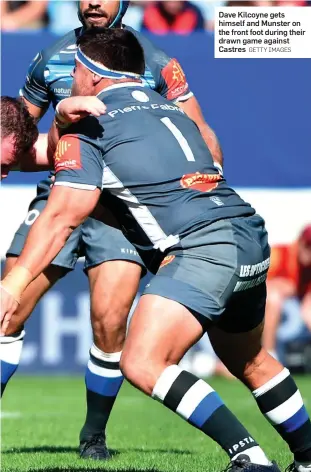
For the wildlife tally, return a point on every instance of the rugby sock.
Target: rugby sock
(10, 353)
(103, 380)
(280, 402)
(196, 401)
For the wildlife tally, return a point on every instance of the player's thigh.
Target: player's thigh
(237, 350)
(160, 332)
(113, 286)
(113, 266)
(32, 294)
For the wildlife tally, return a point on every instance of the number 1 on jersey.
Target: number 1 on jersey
(183, 143)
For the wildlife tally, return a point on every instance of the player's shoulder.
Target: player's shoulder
(153, 54)
(64, 44)
(123, 95)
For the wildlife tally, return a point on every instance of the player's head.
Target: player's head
(304, 247)
(99, 14)
(106, 56)
(18, 133)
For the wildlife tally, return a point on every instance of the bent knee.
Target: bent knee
(139, 372)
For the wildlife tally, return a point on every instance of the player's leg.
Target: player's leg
(113, 285)
(160, 333)
(272, 386)
(201, 276)
(12, 343)
(237, 341)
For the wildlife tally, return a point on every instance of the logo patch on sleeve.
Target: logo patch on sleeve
(175, 80)
(67, 155)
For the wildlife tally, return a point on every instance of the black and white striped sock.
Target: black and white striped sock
(281, 403)
(197, 402)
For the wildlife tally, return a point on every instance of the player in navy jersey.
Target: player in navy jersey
(114, 269)
(148, 163)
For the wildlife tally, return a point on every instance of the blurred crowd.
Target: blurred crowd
(158, 17)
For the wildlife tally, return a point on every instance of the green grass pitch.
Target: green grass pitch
(42, 416)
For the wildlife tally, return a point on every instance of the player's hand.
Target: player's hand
(73, 109)
(8, 307)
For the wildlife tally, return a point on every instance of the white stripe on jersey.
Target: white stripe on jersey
(77, 186)
(183, 98)
(140, 212)
(40, 87)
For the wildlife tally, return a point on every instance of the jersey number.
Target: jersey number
(183, 143)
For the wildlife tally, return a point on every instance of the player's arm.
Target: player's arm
(72, 199)
(70, 110)
(35, 92)
(35, 111)
(173, 85)
(192, 108)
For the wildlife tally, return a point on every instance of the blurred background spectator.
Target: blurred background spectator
(19, 15)
(175, 16)
(158, 17)
(62, 16)
(288, 310)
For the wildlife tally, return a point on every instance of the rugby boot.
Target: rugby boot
(94, 448)
(243, 463)
(298, 468)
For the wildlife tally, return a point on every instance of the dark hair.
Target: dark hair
(118, 49)
(17, 122)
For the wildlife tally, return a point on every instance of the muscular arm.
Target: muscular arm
(66, 209)
(72, 110)
(192, 108)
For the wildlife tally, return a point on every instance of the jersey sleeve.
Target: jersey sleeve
(35, 89)
(173, 83)
(78, 163)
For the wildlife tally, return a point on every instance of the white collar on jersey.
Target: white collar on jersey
(123, 84)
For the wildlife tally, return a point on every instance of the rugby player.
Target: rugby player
(114, 268)
(22, 148)
(148, 162)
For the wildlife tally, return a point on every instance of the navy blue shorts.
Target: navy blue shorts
(219, 274)
(96, 241)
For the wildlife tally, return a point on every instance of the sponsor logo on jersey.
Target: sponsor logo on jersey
(167, 260)
(201, 182)
(67, 154)
(175, 80)
(152, 106)
(140, 96)
(62, 91)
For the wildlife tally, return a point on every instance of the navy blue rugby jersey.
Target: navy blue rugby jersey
(49, 81)
(156, 173)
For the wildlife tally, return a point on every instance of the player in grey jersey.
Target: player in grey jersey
(158, 177)
(113, 268)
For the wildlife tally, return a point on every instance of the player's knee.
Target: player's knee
(138, 371)
(109, 316)
(109, 322)
(256, 368)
